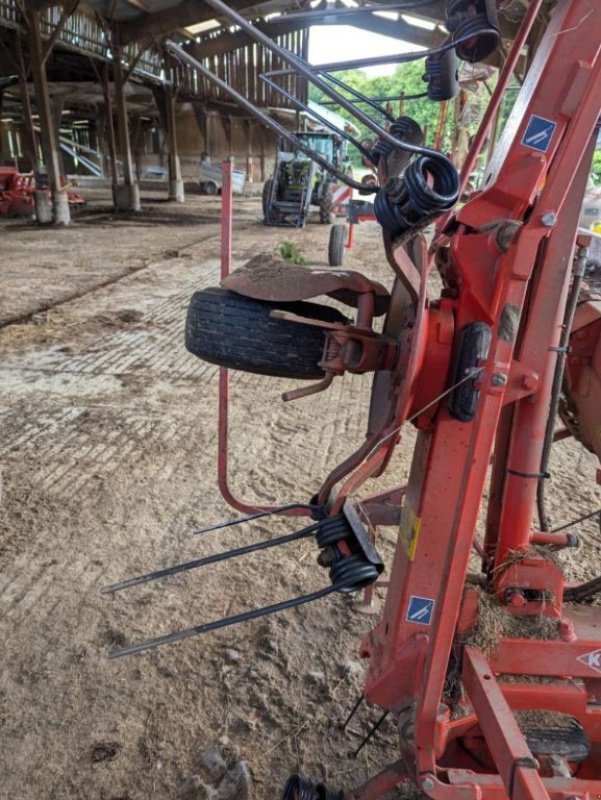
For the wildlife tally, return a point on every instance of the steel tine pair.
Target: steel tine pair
(304, 533)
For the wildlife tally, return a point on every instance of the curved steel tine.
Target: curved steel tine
(214, 559)
(245, 616)
(259, 515)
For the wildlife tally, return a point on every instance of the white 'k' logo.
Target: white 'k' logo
(592, 660)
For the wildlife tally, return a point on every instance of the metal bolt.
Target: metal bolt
(549, 219)
(428, 784)
(529, 382)
(498, 379)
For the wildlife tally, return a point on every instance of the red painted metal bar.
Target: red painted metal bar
(499, 91)
(224, 388)
(538, 354)
(514, 761)
(495, 101)
(500, 281)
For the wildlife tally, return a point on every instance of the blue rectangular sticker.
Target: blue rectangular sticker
(420, 610)
(539, 133)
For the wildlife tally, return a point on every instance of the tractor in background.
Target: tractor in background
(299, 183)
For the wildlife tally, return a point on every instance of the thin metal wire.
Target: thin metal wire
(353, 711)
(246, 616)
(563, 527)
(472, 374)
(259, 515)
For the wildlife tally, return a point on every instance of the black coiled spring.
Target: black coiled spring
(478, 19)
(405, 129)
(299, 788)
(348, 573)
(441, 75)
(429, 186)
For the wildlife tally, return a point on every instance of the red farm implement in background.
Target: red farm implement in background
(17, 193)
(478, 369)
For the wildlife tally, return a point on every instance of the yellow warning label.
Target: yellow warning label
(409, 529)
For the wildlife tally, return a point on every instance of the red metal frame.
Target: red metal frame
(507, 260)
(509, 256)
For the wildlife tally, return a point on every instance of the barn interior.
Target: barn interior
(109, 443)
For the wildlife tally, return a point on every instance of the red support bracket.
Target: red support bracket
(515, 763)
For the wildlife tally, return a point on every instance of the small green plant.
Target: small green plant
(290, 252)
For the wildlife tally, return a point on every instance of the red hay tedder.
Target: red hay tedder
(481, 370)
(17, 193)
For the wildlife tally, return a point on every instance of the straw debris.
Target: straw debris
(495, 622)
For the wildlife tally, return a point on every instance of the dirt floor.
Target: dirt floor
(108, 459)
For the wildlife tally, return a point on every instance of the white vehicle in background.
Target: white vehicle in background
(209, 178)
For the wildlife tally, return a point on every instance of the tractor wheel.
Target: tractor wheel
(266, 196)
(326, 216)
(211, 188)
(237, 332)
(336, 245)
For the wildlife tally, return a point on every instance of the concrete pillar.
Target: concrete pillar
(57, 105)
(176, 184)
(127, 195)
(61, 214)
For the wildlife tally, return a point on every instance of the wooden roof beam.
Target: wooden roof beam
(226, 42)
(189, 12)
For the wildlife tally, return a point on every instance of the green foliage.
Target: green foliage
(596, 168)
(407, 79)
(290, 252)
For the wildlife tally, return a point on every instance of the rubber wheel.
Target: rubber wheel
(234, 331)
(336, 245)
(211, 188)
(266, 195)
(326, 217)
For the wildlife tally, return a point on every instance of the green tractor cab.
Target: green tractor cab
(299, 183)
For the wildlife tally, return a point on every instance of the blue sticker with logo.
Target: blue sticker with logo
(539, 133)
(420, 610)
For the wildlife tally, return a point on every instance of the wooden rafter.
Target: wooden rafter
(226, 42)
(189, 12)
(68, 8)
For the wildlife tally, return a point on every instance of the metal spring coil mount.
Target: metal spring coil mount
(476, 17)
(404, 128)
(410, 201)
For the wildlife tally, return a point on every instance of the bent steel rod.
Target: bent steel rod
(299, 104)
(249, 517)
(245, 616)
(400, 58)
(359, 96)
(310, 73)
(268, 121)
(304, 533)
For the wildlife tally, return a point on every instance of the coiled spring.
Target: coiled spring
(299, 788)
(428, 187)
(477, 18)
(403, 128)
(348, 573)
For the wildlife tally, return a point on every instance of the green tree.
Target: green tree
(407, 79)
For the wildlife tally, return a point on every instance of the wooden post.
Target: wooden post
(59, 213)
(127, 195)
(32, 145)
(176, 184)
